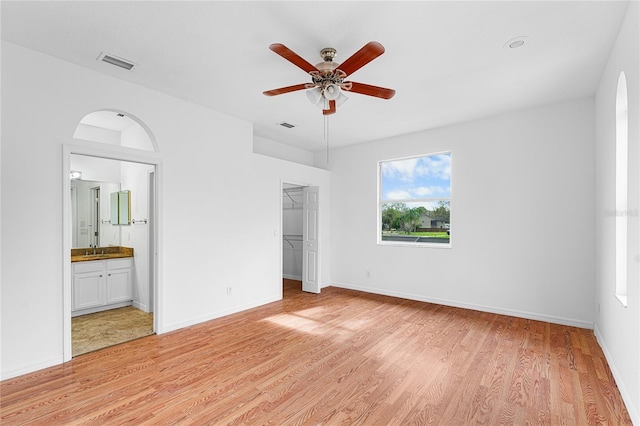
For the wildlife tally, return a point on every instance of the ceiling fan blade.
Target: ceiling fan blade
(362, 57)
(367, 89)
(331, 110)
(292, 57)
(287, 89)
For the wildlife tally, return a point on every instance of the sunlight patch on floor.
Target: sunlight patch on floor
(355, 324)
(315, 321)
(295, 322)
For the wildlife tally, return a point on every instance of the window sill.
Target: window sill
(422, 245)
(622, 298)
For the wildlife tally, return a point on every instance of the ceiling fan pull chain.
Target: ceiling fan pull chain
(326, 134)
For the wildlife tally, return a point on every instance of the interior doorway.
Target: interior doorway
(292, 236)
(300, 237)
(111, 296)
(119, 137)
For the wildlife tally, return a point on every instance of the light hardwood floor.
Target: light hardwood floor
(341, 357)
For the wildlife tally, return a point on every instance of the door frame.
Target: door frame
(118, 153)
(284, 182)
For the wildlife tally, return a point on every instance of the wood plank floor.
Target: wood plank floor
(341, 357)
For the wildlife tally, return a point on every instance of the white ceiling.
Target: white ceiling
(445, 59)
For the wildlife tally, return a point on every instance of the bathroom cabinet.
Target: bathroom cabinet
(100, 285)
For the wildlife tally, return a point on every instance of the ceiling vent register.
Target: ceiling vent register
(118, 62)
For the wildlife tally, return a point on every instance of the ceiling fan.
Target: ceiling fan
(328, 77)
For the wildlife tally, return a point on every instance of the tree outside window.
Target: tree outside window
(415, 200)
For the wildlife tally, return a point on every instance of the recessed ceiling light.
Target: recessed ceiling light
(516, 42)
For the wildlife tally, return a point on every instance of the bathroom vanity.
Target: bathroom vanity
(102, 279)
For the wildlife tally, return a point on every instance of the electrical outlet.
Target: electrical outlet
(229, 292)
(367, 274)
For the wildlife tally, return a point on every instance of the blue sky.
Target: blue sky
(417, 178)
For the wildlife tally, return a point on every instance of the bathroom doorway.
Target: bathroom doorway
(119, 153)
(112, 284)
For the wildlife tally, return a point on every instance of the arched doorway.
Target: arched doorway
(124, 163)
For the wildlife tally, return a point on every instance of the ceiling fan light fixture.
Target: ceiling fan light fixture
(341, 99)
(331, 91)
(315, 96)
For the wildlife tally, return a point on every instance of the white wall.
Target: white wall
(279, 150)
(617, 327)
(135, 178)
(212, 187)
(135, 136)
(98, 134)
(96, 169)
(522, 217)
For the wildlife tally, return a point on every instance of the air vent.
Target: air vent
(287, 125)
(118, 62)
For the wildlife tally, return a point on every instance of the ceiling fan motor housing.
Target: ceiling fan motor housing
(328, 53)
(328, 76)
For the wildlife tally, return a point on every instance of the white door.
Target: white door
(310, 271)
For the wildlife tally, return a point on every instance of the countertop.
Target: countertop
(102, 253)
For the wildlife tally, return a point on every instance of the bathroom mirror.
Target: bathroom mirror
(90, 214)
(120, 211)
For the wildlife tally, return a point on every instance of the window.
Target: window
(622, 176)
(414, 201)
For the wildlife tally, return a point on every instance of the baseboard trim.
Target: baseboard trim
(31, 368)
(220, 314)
(483, 308)
(140, 306)
(101, 308)
(628, 402)
(292, 277)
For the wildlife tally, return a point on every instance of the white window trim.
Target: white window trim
(621, 190)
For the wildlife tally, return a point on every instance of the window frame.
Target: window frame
(621, 190)
(381, 202)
